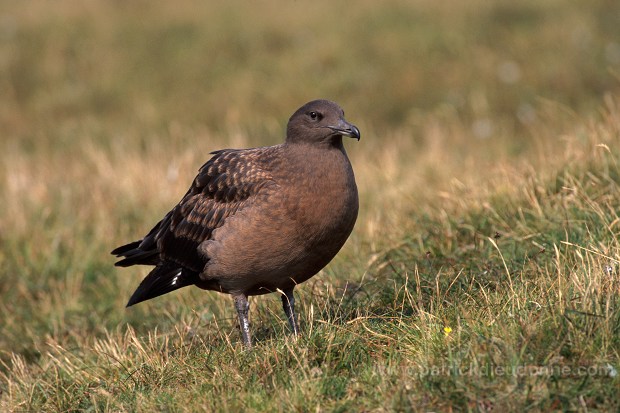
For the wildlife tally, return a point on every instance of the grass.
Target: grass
(483, 273)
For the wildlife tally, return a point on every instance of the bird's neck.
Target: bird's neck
(336, 142)
(333, 142)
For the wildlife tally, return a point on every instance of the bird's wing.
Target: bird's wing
(229, 182)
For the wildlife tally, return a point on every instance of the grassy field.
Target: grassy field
(484, 270)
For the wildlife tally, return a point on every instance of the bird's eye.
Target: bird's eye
(314, 115)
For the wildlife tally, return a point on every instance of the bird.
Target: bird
(258, 220)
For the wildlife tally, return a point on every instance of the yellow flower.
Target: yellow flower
(447, 330)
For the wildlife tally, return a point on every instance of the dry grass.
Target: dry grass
(488, 169)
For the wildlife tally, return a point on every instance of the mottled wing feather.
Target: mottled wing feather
(226, 183)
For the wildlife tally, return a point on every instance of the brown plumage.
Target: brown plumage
(258, 220)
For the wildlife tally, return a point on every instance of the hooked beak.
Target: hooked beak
(345, 128)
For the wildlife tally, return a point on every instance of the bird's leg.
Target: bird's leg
(288, 304)
(243, 308)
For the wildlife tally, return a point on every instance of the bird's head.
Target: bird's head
(320, 121)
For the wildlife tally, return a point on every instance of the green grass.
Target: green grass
(483, 273)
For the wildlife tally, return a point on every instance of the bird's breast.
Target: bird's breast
(325, 205)
(289, 235)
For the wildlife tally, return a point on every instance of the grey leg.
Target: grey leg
(288, 304)
(243, 308)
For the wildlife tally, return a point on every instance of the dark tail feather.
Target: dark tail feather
(163, 279)
(132, 255)
(123, 249)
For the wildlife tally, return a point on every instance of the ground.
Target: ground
(484, 270)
